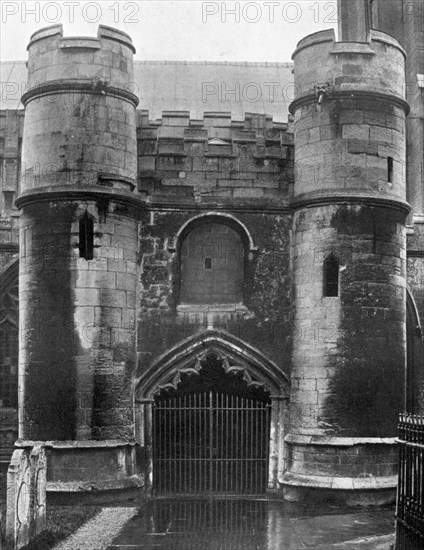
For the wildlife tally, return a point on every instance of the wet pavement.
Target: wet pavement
(254, 525)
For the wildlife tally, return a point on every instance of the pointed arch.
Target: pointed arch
(9, 341)
(188, 356)
(414, 365)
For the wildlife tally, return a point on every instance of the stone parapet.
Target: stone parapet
(376, 66)
(106, 59)
(350, 111)
(214, 158)
(79, 111)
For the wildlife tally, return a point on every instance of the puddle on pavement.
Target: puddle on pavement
(247, 525)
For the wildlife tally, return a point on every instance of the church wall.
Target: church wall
(264, 322)
(241, 171)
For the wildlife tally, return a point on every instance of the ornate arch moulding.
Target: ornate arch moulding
(219, 217)
(188, 357)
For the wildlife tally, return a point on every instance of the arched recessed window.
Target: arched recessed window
(8, 365)
(211, 265)
(331, 277)
(86, 237)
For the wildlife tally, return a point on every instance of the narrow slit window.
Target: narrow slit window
(331, 277)
(86, 237)
(208, 263)
(390, 169)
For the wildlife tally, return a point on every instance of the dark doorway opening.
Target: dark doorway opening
(211, 435)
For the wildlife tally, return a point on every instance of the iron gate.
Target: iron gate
(210, 443)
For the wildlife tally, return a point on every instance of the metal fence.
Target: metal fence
(410, 496)
(210, 443)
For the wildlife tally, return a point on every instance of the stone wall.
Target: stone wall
(263, 318)
(202, 161)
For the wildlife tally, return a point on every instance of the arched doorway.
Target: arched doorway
(211, 434)
(212, 404)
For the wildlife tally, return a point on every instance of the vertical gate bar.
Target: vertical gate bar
(222, 455)
(170, 450)
(162, 447)
(254, 414)
(159, 445)
(188, 445)
(160, 473)
(168, 446)
(258, 456)
(194, 475)
(251, 436)
(259, 446)
(241, 444)
(236, 423)
(206, 472)
(217, 442)
(211, 427)
(249, 428)
(161, 450)
(237, 420)
(183, 444)
(216, 459)
(227, 447)
(177, 443)
(154, 443)
(168, 443)
(254, 420)
(198, 438)
(246, 440)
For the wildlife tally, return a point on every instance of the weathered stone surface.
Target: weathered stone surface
(19, 518)
(82, 319)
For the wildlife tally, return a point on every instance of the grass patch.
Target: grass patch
(61, 521)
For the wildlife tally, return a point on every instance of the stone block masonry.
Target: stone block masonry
(78, 256)
(349, 192)
(215, 158)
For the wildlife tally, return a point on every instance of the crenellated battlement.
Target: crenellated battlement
(375, 66)
(106, 59)
(216, 129)
(215, 156)
(79, 111)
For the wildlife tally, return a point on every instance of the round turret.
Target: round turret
(80, 111)
(348, 267)
(350, 113)
(78, 256)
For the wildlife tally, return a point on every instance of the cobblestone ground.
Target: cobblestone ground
(254, 525)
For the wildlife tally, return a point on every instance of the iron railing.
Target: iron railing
(410, 496)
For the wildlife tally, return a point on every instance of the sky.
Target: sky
(194, 30)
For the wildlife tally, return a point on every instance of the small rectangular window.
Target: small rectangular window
(390, 169)
(86, 237)
(208, 263)
(331, 277)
